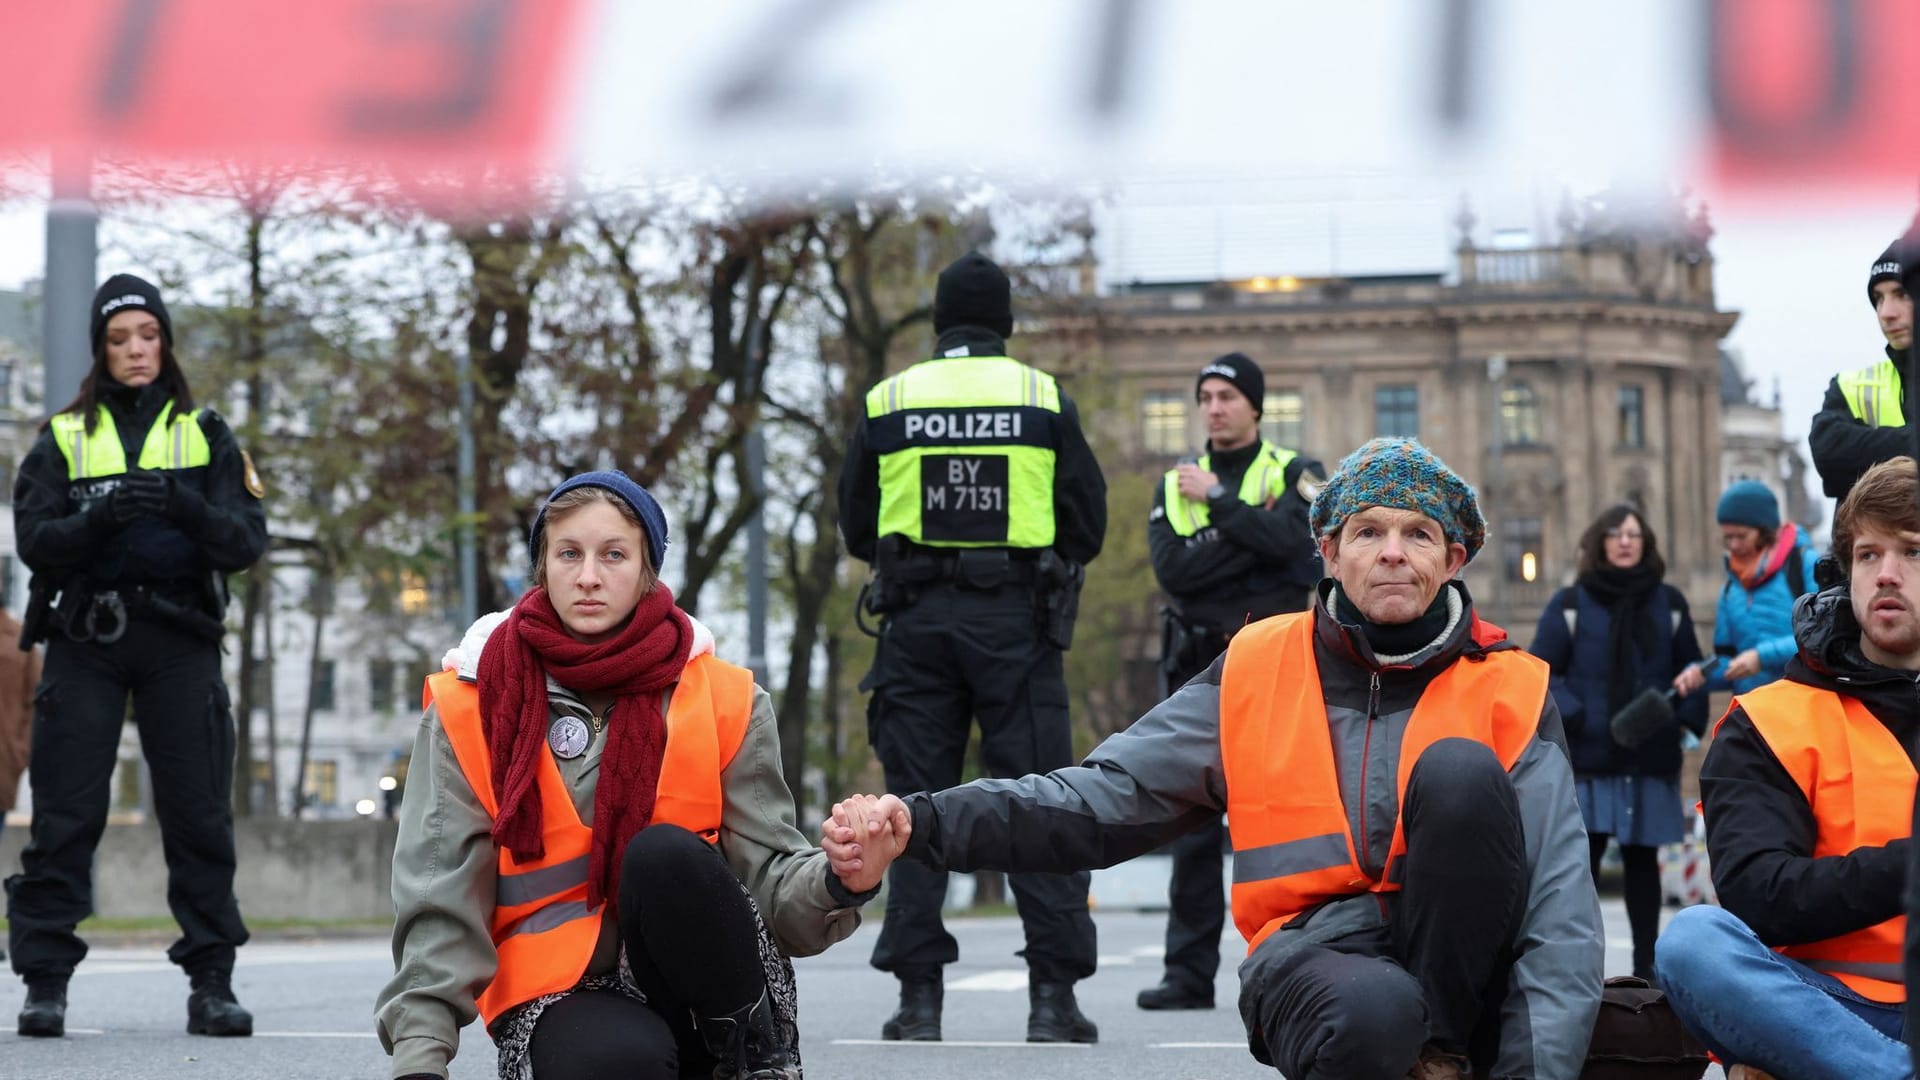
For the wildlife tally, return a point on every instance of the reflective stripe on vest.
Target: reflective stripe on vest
(1873, 395)
(1859, 782)
(542, 929)
(1265, 480)
(173, 442)
(966, 449)
(1293, 846)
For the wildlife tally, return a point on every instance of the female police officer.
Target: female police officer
(131, 508)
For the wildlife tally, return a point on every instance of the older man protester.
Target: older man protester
(1808, 798)
(1410, 869)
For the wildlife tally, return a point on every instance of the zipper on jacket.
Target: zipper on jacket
(1366, 755)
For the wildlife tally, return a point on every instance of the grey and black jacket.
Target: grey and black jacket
(1163, 777)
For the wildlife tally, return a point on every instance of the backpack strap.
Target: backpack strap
(1796, 574)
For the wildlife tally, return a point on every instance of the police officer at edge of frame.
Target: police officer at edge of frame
(1863, 421)
(1230, 544)
(130, 509)
(970, 489)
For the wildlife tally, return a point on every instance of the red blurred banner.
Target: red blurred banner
(409, 84)
(1814, 91)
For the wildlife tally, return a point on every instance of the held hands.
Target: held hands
(863, 837)
(1194, 482)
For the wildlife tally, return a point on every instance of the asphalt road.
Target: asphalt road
(312, 1001)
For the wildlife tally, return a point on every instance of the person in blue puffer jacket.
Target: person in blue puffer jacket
(1769, 566)
(1618, 631)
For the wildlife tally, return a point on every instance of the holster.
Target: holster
(37, 622)
(1059, 582)
(1185, 648)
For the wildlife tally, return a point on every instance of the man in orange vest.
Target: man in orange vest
(1808, 798)
(1409, 867)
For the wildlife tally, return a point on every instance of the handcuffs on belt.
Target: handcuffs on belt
(89, 629)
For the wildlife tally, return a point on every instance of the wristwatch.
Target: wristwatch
(1217, 491)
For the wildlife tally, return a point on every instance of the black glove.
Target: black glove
(185, 506)
(141, 493)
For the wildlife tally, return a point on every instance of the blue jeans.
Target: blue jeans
(1752, 1006)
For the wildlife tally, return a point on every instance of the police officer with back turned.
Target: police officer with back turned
(970, 489)
(1230, 544)
(130, 509)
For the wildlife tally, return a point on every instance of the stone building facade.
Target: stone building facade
(1558, 380)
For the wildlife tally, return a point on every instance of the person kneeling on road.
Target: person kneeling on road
(1410, 870)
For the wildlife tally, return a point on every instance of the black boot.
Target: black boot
(1174, 994)
(918, 1018)
(44, 1016)
(746, 1044)
(1053, 1016)
(212, 1008)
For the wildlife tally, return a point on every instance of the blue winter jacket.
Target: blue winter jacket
(1760, 618)
(1582, 665)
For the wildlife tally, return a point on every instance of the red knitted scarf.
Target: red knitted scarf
(645, 658)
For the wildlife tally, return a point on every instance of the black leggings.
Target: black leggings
(1641, 868)
(693, 943)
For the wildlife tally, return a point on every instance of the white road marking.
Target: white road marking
(1003, 979)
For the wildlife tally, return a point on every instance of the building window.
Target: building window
(380, 685)
(1283, 419)
(1633, 416)
(323, 687)
(1163, 418)
(322, 787)
(1396, 411)
(1519, 414)
(1520, 543)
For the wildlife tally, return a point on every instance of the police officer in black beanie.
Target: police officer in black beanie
(1863, 420)
(130, 509)
(970, 489)
(1230, 544)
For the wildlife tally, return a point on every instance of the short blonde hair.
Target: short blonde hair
(1887, 498)
(566, 503)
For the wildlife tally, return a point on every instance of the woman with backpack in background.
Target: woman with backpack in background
(1617, 632)
(1769, 566)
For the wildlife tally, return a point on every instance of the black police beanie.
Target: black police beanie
(973, 292)
(1885, 268)
(125, 292)
(1242, 372)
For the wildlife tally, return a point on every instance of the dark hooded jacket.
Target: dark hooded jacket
(1760, 827)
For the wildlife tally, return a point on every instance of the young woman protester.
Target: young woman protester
(597, 852)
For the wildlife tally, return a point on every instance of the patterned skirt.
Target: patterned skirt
(513, 1033)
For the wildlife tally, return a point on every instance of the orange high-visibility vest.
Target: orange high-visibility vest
(1859, 782)
(1292, 844)
(542, 929)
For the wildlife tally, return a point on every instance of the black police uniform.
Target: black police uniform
(966, 645)
(1250, 562)
(164, 574)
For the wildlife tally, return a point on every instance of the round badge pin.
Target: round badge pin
(568, 737)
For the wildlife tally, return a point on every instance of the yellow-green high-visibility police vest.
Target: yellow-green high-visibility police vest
(174, 442)
(966, 447)
(1873, 394)
(1266, 478)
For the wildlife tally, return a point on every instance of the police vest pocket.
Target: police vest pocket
(963, 498)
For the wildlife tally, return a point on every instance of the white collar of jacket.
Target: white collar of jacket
(465, 657)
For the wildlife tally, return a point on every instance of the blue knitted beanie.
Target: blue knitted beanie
(1401, 473)
(653, 520)
(1749, 502)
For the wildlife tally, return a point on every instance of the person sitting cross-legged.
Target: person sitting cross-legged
(1808, 799)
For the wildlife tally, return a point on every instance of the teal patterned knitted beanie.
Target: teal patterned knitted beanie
(1401, 473)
